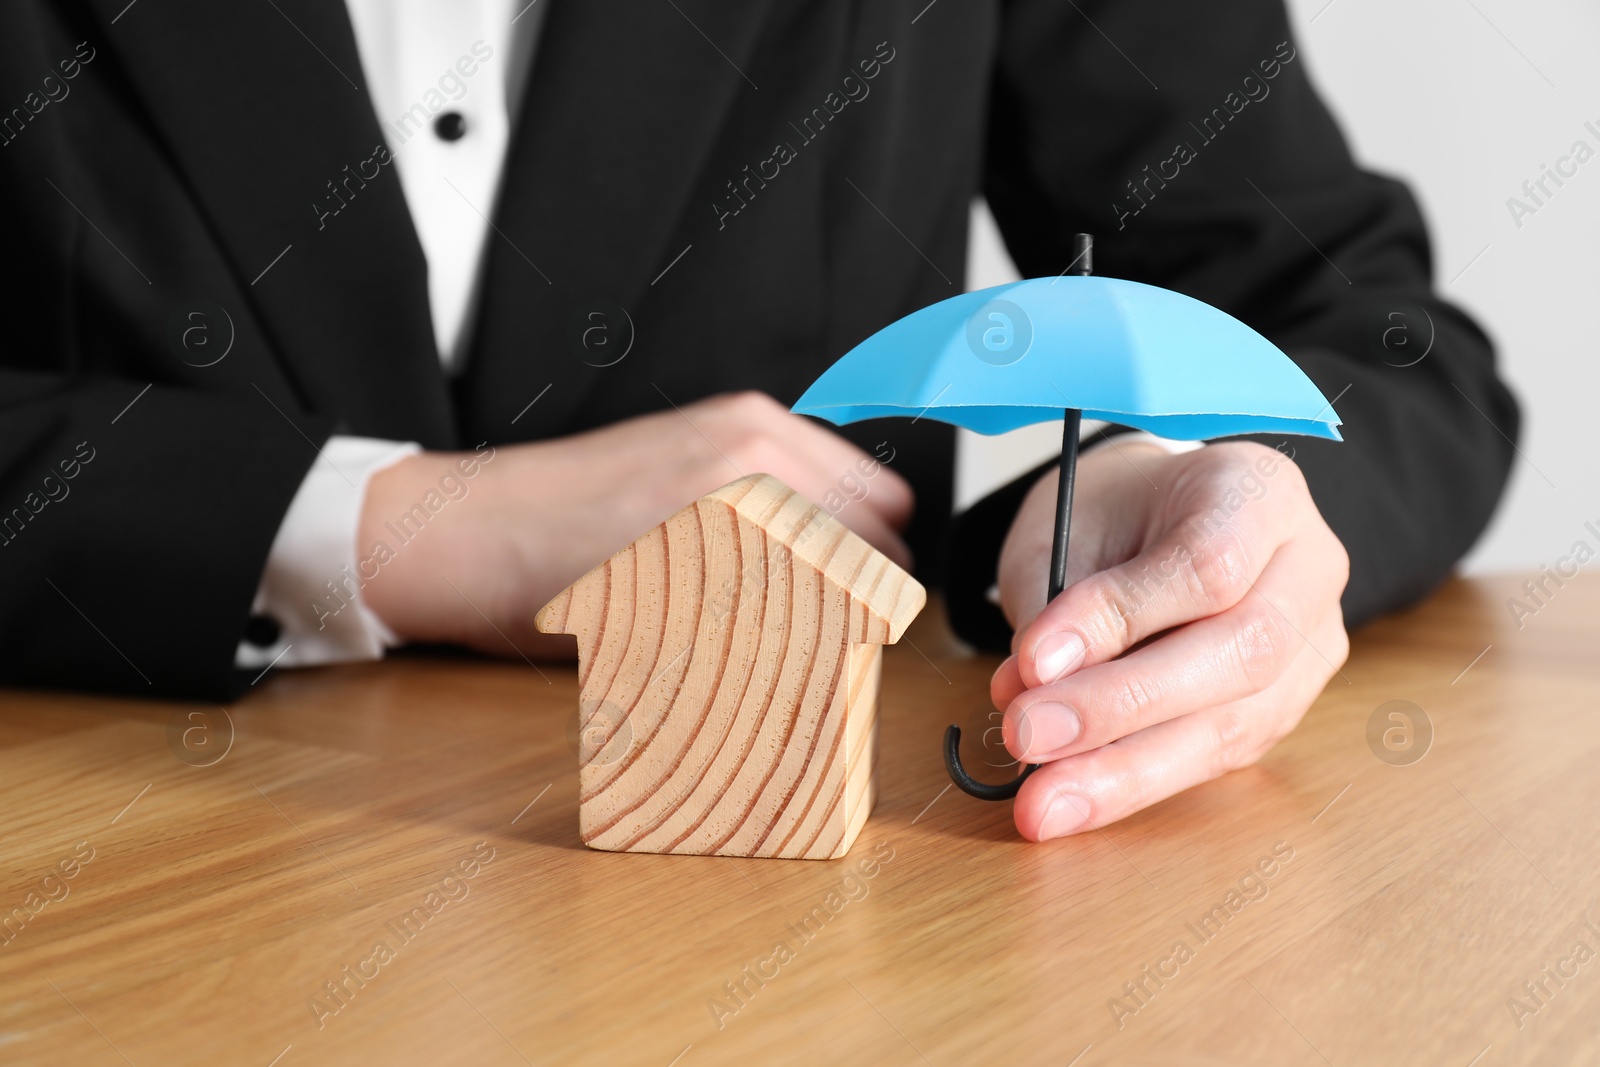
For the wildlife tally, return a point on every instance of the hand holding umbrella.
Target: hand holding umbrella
(1006, 357)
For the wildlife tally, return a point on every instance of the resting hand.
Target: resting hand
(538, 515)
(1201, 620)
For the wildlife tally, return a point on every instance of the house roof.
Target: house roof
(884, 597)
(828, 545)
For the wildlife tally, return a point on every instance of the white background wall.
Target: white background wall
(1464, 99)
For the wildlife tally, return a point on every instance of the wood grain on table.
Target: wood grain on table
(381, 864)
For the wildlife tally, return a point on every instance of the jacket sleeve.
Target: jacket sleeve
(1188, 139)
(138, 500)
(128, 554)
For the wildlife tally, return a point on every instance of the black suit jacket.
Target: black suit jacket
(191, 161)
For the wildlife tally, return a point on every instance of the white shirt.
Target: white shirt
(421, 59)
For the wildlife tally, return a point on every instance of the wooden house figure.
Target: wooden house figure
(729, 663)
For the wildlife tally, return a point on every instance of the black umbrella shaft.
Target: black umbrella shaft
(1069, 470)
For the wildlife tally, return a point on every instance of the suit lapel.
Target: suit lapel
(623, 107)
(262, 105)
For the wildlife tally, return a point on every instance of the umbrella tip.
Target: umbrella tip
(1082, 255)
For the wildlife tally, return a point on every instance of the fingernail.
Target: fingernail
(1044, 727)
(1056, 654)
(1066, 813)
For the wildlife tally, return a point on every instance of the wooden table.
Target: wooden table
(1407, 902)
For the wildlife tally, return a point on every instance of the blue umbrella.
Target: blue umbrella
(1075, 345)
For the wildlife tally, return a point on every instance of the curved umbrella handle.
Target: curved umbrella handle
(970, 785)
(1082, 264)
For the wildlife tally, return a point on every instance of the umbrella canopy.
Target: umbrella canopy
(1012, 355)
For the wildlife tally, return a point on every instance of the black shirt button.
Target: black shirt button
(451, 126)
(262, 631)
